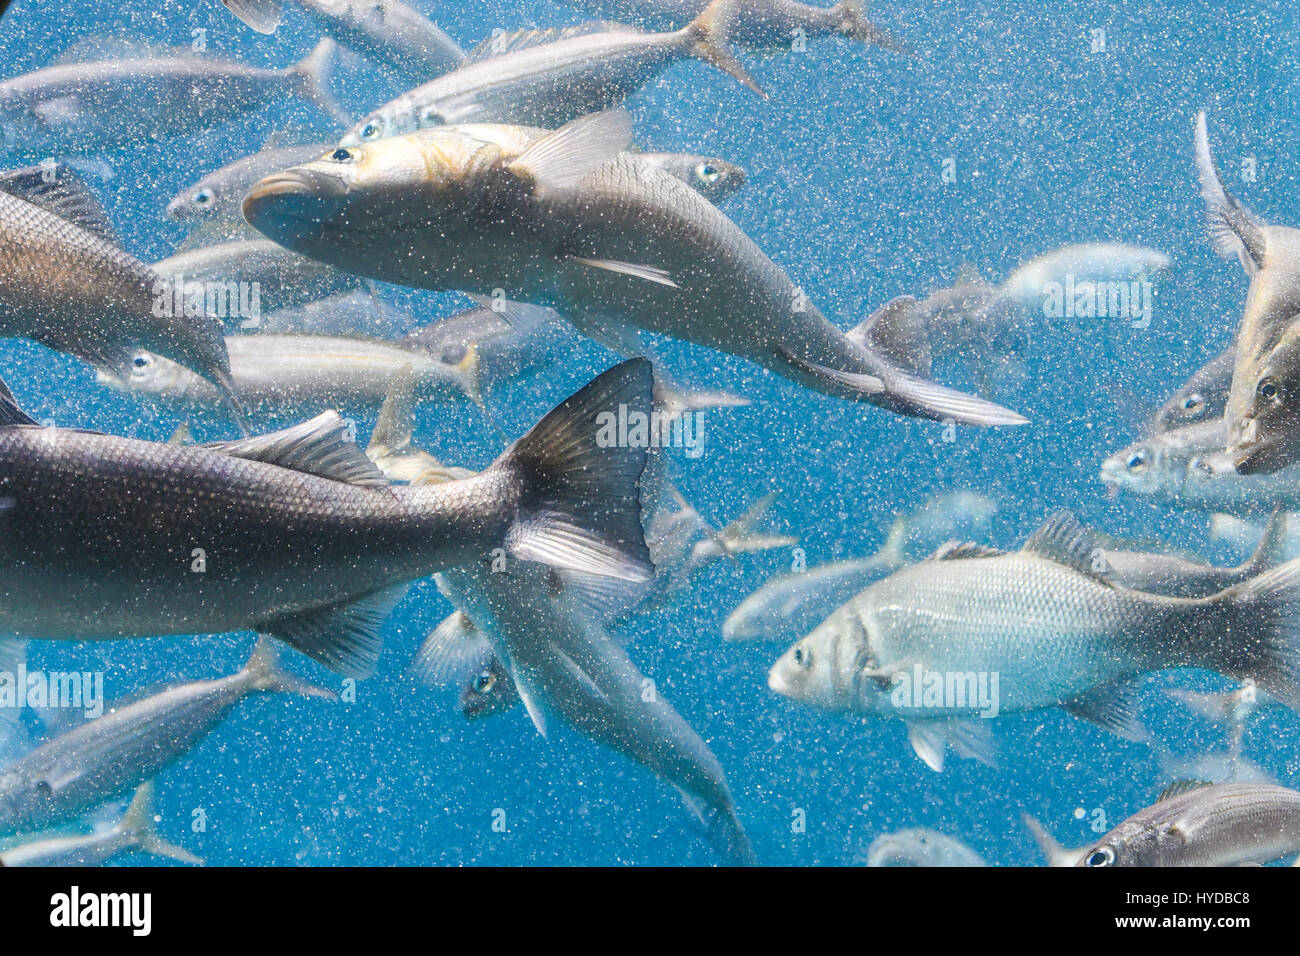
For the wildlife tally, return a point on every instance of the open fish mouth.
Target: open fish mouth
(1259, 457)
(294, 196)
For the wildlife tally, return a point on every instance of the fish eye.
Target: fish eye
(141, 362)
(484, 683)
(708, 172)
(1268, 389)
(1193, 403)
(372, 130)
(44, 788)
(342, 155)
(1137, 461)
(1102, 856)
(803, 657)
(204, 197)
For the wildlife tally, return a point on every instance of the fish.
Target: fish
(789, 605)
(262, 15)
(1260, 412)
(1187, 469)
(1202, 398)
(714, 179)
(921, 847)
(565, 665)
(66, 283)
(397, 38)
(1088, 262)
(560, 220)
(1178, 577)
(217, 196)
(510, 341)
(759, 23)
(92, 107)
(241, 279)
(295, 534)
(135, 831)
(1222, 824)
(1030, 630)
(111, 755)
(288, 374)
(546, 78)
(357, 312)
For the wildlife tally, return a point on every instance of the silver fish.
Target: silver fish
(89, 107)
(397, 38)
(974, 631)
(921, 847)
(108, 756)
(508, 341)
(1202, 398)
(546, 78)
(135, 831)
(1260, 414)
(563, 220)
(216, 197)
(1223, 824)
(294, 534)
(789, 605)
(1089, 262)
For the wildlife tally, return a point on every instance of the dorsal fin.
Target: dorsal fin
(512, 41)
(322, 446)
(56, 188)
(957, 550)
(1064, 540)
(1179, 787)
(896, 331)
(11, 412)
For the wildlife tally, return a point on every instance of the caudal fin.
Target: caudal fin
(708, 41)
(265, 674)
(1258, 636)
(138, 824)
(262, 15)
(312, 74)
(579, 480)
(1234, 231)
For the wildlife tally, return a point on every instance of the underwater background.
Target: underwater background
(1054, 142)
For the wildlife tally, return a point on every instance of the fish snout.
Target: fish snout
(293, 196)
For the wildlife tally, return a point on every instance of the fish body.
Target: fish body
(1223, 824)
(397, 38)
(473, 215)
(294, 534)
(921, 847)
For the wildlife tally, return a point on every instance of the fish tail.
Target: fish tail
(748, 533)
(312, 74)
(469, 373)
(262, 15)
(853, 23)
(579, 481)
(226, 383)
(708, 35)
(265, 674)
(722, 826)
(139, 824)
(1256, 635)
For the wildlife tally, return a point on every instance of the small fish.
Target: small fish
(547, 78)
(298, 534)
(1262, 414)
(1202, 398)
(108, 756)
(714, 179)
(135, 831)
(67, 284)
(293, 374)
(1088, 262)
(1186, 468)
(1222, 824)
(1032, 629)
(759, 23)
(921, 847)
(216, 197)
(394, 36)
(91, 107)
(789, 605)
(570, 221)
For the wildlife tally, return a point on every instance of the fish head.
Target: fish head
(355, 197)
(1134, 842)
(25, 797)
(1187, 406)
(146, 373)
(716, 178)
(392, 120)
(196, 204)
(1267, 436)
(488, 692)
(1141, 469)
(827, 668)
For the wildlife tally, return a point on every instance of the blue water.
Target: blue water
(1054, 144)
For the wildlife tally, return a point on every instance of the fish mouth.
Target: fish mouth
(1262, 456)
(294, 197)
(777, 684)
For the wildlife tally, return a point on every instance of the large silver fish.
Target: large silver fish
(759, 23)
(546, 78)
(295, 534)
(108, 756)
(288, 374)
(1222, 824)
(135, 831)
(567, 220)
(975, 632)
(89, 107)
(67, 284)
(1263, 416)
